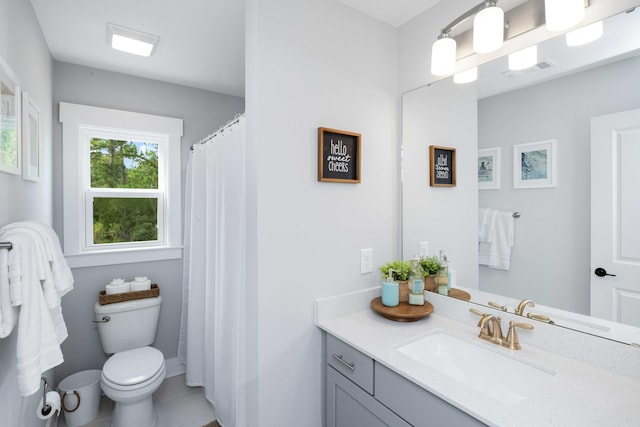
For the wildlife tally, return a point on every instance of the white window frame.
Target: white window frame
(80, 123)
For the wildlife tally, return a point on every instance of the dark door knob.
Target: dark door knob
(601, 272)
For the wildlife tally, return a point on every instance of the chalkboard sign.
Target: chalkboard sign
(338, 156)
(442, 163)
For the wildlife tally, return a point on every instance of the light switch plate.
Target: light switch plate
(424, 249)
(366, 261)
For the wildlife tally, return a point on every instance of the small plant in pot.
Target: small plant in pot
(430, 266)
(400, 271)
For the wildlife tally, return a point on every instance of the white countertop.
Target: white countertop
(578, 394)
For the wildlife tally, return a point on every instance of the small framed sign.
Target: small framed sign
(338, 156)
(442, 164)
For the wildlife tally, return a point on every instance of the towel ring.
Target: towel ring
(64, 407)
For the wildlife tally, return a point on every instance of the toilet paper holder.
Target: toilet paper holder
(46, 408)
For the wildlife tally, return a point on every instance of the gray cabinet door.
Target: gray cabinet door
(349, 406)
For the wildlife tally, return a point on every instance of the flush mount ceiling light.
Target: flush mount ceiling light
(585, 35)
(488, 35)
(563, 14)
(471, 75)
(524, 58)
(131, 41)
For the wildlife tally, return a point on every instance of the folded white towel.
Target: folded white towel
(140, 283)
(8, 313)
(486, 224)
(497, 254)
(116, 288)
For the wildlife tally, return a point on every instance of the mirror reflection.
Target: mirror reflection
(551, 261)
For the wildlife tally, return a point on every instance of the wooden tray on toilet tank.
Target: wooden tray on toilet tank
(103, 298)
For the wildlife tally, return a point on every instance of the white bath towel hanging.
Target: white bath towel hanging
(497, 253)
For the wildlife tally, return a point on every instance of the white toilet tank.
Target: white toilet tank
(131, 324)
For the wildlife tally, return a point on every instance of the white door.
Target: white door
(615, 217)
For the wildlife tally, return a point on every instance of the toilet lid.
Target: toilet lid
(132, 367)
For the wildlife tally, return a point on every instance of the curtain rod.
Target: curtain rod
(231, 122)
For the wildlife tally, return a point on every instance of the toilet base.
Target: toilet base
(137, 414)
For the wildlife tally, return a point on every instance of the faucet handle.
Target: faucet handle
(540, 317)
(512, 342)
(498, 306)
(477, 312)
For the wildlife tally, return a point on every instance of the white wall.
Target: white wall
(202, 112)
(551, 257)
(23, 47)
(443, 114)
(313, 63)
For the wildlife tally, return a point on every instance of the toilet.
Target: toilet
(135, 369)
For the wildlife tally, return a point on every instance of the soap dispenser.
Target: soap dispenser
(390, 291)
(416, 285)
(442, 279)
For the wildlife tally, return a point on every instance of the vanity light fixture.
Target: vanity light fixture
(563, 14)
(585, 35)
(524, 58)
(131, 41)
(468, 76)
(488, 35)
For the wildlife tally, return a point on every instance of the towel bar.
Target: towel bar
(516, 214)
(6, 245)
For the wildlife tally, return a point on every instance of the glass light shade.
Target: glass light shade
(563, 14)
(468, 76)
(524, 58)
(585, 35)
(443, 56)
(488, 30)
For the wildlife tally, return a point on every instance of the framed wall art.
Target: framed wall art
(442, 166)
(535, 165)
(338, 156)
(10, 156)
(489, 168)
(30, 139)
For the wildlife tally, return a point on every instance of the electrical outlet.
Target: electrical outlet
(424, 249)
(366, 261)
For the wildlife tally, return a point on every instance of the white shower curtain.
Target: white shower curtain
(213, 327)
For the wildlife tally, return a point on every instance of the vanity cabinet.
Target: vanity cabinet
(362, 393)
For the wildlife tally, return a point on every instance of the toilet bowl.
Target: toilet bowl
(129, 378)
(135, 369)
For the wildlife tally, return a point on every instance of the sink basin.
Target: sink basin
(498, 376)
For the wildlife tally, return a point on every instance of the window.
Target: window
(121, 182)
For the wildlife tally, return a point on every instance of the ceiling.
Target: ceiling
(201, 41)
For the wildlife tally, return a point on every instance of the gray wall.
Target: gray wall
(551, 256)
(202, 112)
(23, 47)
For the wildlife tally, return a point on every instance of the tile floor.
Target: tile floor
(177, 406)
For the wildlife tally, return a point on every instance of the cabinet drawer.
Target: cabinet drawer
(350, 363)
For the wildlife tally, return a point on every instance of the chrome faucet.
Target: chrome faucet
(491, 328)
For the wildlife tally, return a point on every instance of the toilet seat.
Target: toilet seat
(133, 369)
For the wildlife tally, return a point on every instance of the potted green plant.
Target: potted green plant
(400, 271)
(430, 266)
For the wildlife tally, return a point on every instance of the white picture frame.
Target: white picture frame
(488, 168)
(535, 165)
(10, 118)
(31, 139)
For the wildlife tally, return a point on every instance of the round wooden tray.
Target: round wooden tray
(404, 312)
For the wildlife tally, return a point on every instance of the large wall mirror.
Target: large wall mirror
(551, 259)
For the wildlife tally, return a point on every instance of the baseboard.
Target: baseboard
(174, 368)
